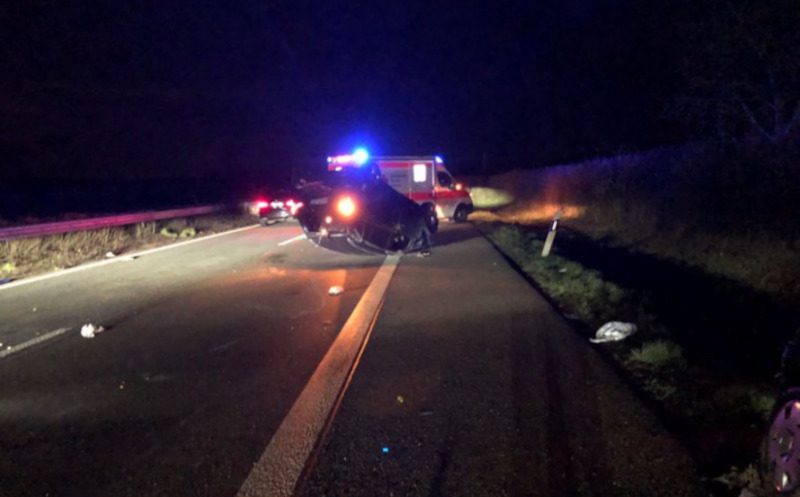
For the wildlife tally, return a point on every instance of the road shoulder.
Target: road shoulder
(473, 385)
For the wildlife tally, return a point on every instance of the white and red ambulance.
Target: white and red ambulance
(423, 179)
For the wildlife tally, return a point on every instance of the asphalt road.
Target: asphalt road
(470, 384)
(207, 347)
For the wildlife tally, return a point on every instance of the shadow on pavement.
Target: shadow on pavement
(450, 234)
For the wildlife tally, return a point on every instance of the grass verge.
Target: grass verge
(719, 413)
(31, 256)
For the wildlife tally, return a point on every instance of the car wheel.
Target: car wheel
(780, 449)
(431, 219)
(461, 214)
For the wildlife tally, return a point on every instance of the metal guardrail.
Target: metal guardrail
(60, 227)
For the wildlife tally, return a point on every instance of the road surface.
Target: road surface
(470, 384)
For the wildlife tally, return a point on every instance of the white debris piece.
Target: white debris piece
(613, 331)
(335, 290)
(110, 255)
(90, 330)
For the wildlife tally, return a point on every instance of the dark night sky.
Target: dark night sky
(138, 89)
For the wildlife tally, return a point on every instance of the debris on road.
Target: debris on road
(90, 330)
(335, 290)
(400, 399)
(110, 255)
(613, 331)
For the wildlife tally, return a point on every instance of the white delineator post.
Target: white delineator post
(551, 235)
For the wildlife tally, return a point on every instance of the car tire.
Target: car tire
(461, 214)
(784, 413)
(431, 219)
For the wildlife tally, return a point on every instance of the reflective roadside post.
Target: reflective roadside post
(551, 235)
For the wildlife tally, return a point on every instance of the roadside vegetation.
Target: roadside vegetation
(698, 246)
(30, 256)
(686, 372)
(730, 212)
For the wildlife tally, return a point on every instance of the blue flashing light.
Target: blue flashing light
(438, 159)
(360, 156)
(385, 450)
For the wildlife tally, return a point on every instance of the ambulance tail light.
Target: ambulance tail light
(346, 206)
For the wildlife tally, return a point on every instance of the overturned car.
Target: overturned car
(352, 210)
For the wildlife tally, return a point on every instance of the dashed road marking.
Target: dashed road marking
(277, 471)
(292, 240)
(13, 349)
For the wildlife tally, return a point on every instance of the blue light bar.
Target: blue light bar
(360, 156)
(438, 159)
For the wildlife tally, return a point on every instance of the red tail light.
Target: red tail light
(346, 206)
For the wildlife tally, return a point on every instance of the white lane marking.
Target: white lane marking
(292, 240)
(280, 466)
(122, 258)
(33, 341)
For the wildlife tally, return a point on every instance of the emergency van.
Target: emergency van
(426, 181)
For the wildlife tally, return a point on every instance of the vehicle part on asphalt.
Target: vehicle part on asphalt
(89, 330)
(613, 331)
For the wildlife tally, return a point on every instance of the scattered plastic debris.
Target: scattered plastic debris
(90, 330)
(400, 399)
(562, 270)
(110, 255)
(613, 331)
(335, 290)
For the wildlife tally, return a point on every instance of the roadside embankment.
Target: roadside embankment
(30, 256)
(733, 214)
(698, 248)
